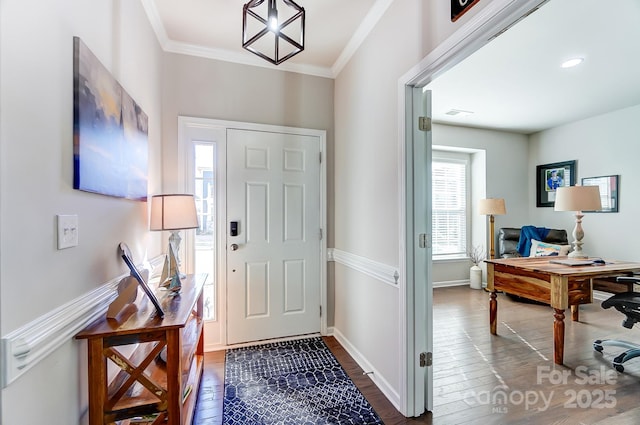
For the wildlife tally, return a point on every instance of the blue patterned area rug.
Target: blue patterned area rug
(293, 382)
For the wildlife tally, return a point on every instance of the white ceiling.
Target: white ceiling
(514, 83)
(213, 29)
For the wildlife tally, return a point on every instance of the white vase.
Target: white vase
(475, 277)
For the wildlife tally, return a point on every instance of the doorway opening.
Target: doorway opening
(496, 17)
(203, 164)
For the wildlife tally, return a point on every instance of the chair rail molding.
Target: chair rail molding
(383, 272)
(24, 347)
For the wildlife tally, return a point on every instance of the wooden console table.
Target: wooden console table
(558, 285)
(146, 385)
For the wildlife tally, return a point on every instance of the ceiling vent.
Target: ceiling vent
(454, 112)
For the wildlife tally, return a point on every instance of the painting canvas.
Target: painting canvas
(110, 130)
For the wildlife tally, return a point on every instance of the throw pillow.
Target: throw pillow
(543, 249)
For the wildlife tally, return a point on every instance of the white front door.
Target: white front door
(273, 235)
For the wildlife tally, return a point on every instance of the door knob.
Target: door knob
(234, 247)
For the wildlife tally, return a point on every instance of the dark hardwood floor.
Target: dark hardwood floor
(505, 379)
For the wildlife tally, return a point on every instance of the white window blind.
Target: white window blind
(449, 198)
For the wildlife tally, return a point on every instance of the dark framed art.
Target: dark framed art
(460, 7)
(550, 177)
(608, 191)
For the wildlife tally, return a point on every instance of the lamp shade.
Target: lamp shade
(173, 212)
(578, 198)
(492, 206)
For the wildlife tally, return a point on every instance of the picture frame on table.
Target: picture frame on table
(125, 254)
(609, 192)
(549, 177)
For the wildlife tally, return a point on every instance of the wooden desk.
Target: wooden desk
(146, 385)
(558, 285)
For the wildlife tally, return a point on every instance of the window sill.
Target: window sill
(450, 259)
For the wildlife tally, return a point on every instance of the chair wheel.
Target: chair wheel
(618, 367)
(597, 345)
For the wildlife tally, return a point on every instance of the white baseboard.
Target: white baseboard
(214, 347)
(448, 283)
(218, 347)
(377, 378)
(24, 347)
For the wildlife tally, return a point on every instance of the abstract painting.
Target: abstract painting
(110, 131)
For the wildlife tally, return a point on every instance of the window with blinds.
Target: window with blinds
(449, 203)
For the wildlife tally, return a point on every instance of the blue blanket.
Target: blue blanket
(526, 234)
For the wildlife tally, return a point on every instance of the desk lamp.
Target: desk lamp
(492, 207)
(173, 212)
(578, 199)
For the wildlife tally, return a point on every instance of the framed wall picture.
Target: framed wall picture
(609, 194)
(125, 253)
(460, 7)
(110, 132)
(550, 177)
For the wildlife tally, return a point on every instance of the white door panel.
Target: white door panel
(273, 277)
(418, 292)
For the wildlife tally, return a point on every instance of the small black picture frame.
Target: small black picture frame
(126, 256)
(609, 192)
(460, 7)
(549, 177)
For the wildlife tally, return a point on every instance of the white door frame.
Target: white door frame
(493, 19)
(188, 126)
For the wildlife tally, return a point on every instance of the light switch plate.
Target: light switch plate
(67, 231)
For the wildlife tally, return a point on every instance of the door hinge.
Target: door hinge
(320, 154)
(424, 123)
(320, 311)
(426, 359)
(321, 235)
(423, 240)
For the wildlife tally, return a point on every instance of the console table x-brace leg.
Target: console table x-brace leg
(136, 373)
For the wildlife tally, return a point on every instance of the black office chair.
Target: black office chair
(628, 303)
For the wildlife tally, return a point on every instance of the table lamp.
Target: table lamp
(492, 207)
(578, 199)
(173, 212)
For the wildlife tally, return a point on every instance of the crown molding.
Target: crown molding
(172, 46)
(155, 21)
(242, 58)
(363, 31)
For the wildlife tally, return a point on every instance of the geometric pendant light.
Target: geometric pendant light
(273, 29)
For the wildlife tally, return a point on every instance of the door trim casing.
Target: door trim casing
(187, 125)
(488, 23)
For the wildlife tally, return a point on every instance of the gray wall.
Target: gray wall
(602, 145)
(214, 89)
(505, 169)
(206, 88)
(36, 151)
(36, 117)
(367, 158)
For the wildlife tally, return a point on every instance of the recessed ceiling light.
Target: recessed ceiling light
(572, 62)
